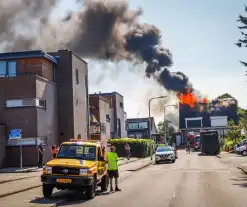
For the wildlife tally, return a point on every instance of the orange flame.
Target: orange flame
(190, 99)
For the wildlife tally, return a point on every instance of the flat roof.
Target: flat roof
(140, 119)
(111, 94)
(27, 54)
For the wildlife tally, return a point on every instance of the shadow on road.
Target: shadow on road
(201, 154)
(78, 198)
(239, 179)
(57, 196)
(162, 163)
(244, 185)
(66, 197)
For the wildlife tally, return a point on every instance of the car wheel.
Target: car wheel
(244, 153)
(47, 190)
(104, 183)
(173, 161)
(156, 162)
(90, 193)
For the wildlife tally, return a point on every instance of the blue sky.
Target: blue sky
(200, 34)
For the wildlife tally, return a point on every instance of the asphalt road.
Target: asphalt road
(194, 181)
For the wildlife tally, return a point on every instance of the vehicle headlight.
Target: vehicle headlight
(48, 169)
(83, 171)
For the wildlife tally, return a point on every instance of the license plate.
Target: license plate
(164, 158)
(64, 180)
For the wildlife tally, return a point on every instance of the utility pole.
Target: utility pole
(150, 123)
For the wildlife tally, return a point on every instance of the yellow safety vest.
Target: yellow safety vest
(112, 159)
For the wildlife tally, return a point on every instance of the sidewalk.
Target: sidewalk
(34, 197)
(12, 183)
(236, 160)
(13, 174)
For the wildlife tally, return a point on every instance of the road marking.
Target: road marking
(173, 195)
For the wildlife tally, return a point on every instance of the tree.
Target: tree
(242, 42)
(169, 130)
(161, 128)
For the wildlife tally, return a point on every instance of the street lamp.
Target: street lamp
(149, 124)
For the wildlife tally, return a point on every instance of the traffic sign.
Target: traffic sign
(15, 131)
(14, 136)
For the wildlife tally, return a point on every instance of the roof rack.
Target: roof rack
(86, 140)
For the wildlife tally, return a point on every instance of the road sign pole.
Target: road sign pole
(20, 154)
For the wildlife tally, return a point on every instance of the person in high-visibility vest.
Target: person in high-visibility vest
(112, 160)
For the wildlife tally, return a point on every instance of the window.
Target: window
(133, 125)
(81, 152)
(8, 68)
(76, 76)
(27, 102)
(143, 125)
(14, 103)
(3, 69)
(140, 125)
(108, 118)
(12, 69)
(40, 103)
(121, 105)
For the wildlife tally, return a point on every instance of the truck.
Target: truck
(209, 141)
(79, 165)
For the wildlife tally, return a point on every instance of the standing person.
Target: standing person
(40, 153)
(54, 151)
(127, 150)
(112, 159)
(103, 150)
(188, 146)
(175, 149)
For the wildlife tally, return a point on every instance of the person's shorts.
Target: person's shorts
(113, 173)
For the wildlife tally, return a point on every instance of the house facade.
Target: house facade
(45, 98)
(117, 114)
(139, 127)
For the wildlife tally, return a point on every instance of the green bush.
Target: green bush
(138, 147)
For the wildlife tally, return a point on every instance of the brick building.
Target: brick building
(117, 114)
(100, 119)
(46, 97)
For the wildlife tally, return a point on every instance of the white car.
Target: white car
(242, 150)
(165, 153)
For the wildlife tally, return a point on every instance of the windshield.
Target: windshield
(78, 152)
(163, 149)
(197, 139)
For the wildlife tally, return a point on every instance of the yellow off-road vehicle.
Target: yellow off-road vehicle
(79, 165)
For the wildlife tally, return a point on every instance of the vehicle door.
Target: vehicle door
(101, 164)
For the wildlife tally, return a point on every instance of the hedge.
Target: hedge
(138, 147)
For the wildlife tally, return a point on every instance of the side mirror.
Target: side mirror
(101, 158)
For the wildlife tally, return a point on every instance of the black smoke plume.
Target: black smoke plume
(101, 30)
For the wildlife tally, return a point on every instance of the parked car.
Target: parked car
(242, 150)
(165, 153)
(243, 142)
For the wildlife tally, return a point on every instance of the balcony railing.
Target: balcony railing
(97, 128)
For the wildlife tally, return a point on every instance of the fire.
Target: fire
(190, 98)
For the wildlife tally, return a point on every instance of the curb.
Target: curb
(140, 168)
(16, 179)
(19, 191)
(19, 171)
(38, 185)
(130, 161)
